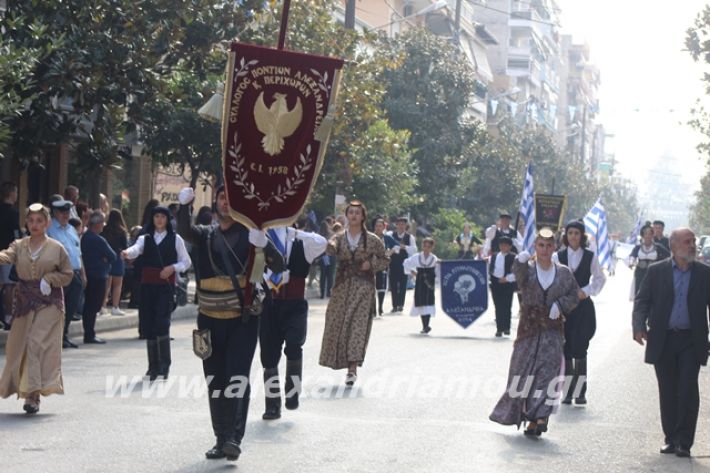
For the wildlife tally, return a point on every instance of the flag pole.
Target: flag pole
(284, 24)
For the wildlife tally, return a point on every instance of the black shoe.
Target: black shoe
(531, 429)
(215, 453)
(95, 340)
(32, 409)
(66, 343)
(499, 334)
(292, 387)
(580, 401)
(681, 451)
(506, 332)
(567, 400)
(231, 450)
(668, 448)
(425, 330)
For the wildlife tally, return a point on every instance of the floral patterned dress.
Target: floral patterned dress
(348, 318)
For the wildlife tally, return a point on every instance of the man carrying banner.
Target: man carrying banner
(406, 247)
(424, 267)
(285, 318)
(548, 292)
(581, 323)
(502, 284)
(228, 331)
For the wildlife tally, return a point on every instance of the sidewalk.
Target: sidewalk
(108, 323)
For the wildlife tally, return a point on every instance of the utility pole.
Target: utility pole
(457, 23)
(350, 14)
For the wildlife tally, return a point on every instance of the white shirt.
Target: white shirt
(183, 262)
(411, 248)
(418, 260)
(352, 240)
(499, 268)
(490, 235)
(546, 276)
(574, 258)
(313, 246)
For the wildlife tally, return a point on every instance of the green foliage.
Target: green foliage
(364, 154)
(447, 224)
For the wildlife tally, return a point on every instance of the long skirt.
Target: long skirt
(33, 361)
(535, 380)
(348, 322)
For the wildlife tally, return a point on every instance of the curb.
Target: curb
(108, 323)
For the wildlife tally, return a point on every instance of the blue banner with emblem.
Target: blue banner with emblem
(464, 290)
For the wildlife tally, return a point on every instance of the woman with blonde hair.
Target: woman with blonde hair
(34, 348)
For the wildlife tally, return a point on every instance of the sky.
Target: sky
(649, 83)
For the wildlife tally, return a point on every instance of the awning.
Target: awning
(480, 56)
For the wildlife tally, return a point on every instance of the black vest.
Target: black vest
(507, 266)
(402, 255)
(159, 256)
(495, 246)
(298, 266)
(583, 273)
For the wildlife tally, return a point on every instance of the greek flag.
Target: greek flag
(595, 225)
(634, 235)
(527, 212)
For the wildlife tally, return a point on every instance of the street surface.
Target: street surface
(421, 404)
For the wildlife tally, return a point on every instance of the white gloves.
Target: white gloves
(491, 232)
(44, 287)
(554, 311)
(257, 237)
(523, 257)
(291, 233)
(186, 195)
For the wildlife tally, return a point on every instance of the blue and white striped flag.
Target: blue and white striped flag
(527, 211)
(634, 235)
(595, 225)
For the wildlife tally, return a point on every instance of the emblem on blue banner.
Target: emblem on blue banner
(464, 290)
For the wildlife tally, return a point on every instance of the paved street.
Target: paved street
(421, 403)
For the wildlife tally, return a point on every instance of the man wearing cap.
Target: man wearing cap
(502, 284)
(164, 256)
(406, 247)
(66, 234)
(97, 256)
(227, 327)
(502, 228)
(658, 237)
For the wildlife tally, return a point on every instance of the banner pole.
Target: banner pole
(284, 24)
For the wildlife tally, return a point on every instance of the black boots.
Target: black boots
(229, 420)
(164, 358)
(569, 374)
(580, 366)
(577, 369)
(272, 392)
(153, 359)
(294, 372)
(159, 358)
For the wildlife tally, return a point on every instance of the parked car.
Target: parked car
(703, 240)
(704, 255)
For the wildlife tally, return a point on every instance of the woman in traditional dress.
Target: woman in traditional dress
(348, 318)
(33, 361)
(581, 323)
(548, 291)
(424, 267)
(467, 243)
(643, 255)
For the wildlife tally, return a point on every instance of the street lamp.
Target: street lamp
(212, 110)
(438, 5)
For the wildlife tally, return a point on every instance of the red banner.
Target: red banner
(278, 110)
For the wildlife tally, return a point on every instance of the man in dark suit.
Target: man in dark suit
(671, 314)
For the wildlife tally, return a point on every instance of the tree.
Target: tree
(93, 88)
(428, 93)
(697, 41)
(364, 150)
